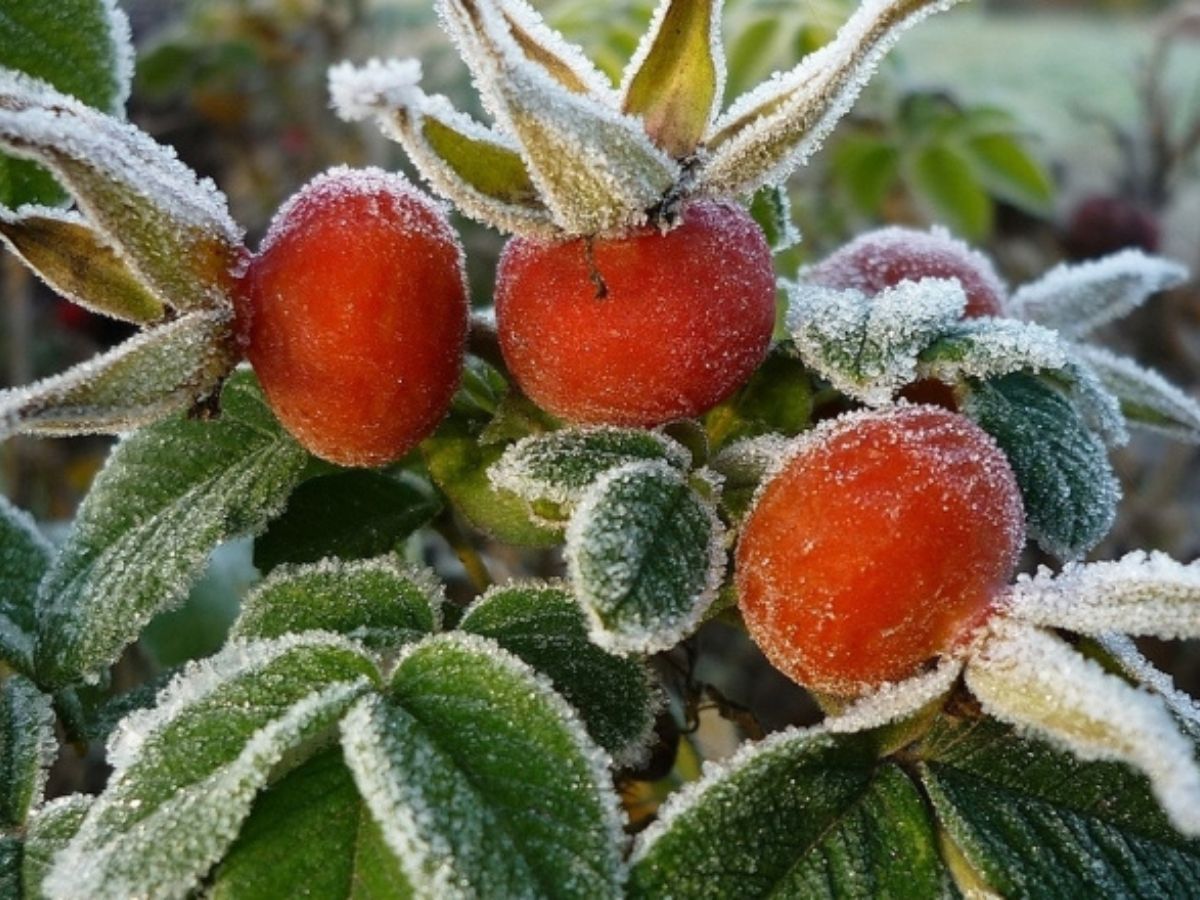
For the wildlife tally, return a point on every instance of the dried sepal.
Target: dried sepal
(774, 128)
(563, 61)
(1141, 594)
(893, 702)
(76, 262)
(172, 228)
(595, 168)
(676, 79)
(168, 368)
(1184, 707)
(1036, 681)
(470, 165)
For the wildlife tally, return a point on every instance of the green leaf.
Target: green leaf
(167, 496)
(1008, 171)
(1095, 827)
(771, 208)
(646, 556)
(27, 748)
(350, 515)
(1067, 483)
(77, 263)
(186, 772)
(675, 80)
(166, 369)
(946, 182)
(381, 602)
(778, 398)
(83, 48)
(1147, 399)
(543, 625)
(172, 228)
(310, 835)
(11, 853)
(24, 558)
(988, 347)
(802, 814)
(483, 780)
(50, 829)
(742, 467)
(560, 466)
(866, 169)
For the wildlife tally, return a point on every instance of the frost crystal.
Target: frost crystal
(377, 87)
(1031, 679)
(1077, 299)
(985, 348)
(894, 701)
(1142, 594)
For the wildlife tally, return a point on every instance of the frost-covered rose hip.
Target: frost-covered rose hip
(640, 329)
(883, 258)
(882, 542)
(354, 315)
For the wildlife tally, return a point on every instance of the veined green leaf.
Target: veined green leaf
(24, 558)
(186, 772)
(77, 263)
(50, 829)
(544, 626)
(1008, 171)
(27, 748)
(676, 78)
(987, 347)
(381, 603)
(151, 375)
(947, 184)
(167, 496)
(483, 780)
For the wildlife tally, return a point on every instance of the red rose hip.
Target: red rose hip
(354, 315)
(882, 542)
(640, 329)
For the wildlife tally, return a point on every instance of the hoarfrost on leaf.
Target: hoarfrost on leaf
(1140, 594)
(25, 555)
(1076, 299)
(868, 347)
(1147, 400)
(1184, 707)
(895, 701)
(1036, 681)
(27, 749)
(985, 348)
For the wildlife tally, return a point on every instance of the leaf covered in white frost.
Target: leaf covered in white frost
(988, 347)
(1076, 298)
(482, 778)
(595, 168)
(383, 602)
(162, 370)
(166, 497)
(27, 748)
(1036, 681)
(1147, 399)
(186, 772)
(892, 702)
(48, 831)
(1140, 594)
(1184, 707)
(558, 467)
(867, 347)
(768, 132)
(646, 555)
(172, 228)
(24, 558)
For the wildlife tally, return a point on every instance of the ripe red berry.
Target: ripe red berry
(882, 542)
(354, 316)
(1101, 225)
(883, 258)
(640, 329)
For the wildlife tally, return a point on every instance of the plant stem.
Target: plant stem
(477, 571)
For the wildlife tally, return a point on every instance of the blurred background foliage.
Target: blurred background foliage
(1040, 131)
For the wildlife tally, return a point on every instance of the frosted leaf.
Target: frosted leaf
(771, 208)
(893, 702)
(49, 830)
(381, 602)
(675, 81)
(24, 558)
(985, 348)
(77, 263)
(151, 375)
(186, 773)
(645, 556)
(1147, 399)
(1078, 298)
(867, 347)
(1184, 707)
(1030, 678)
(804, 813)
(594, 167)
(27, 748)
(167, 496)
(743, 465)
(482, 778)
(1140, 594)
(172, 228)
(477, 169)
(543, 625)
(560, 466)
(1099, 408)
(767, 133)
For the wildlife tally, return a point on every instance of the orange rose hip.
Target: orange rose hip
(882, 542)
(354, 316)
(639, 329)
